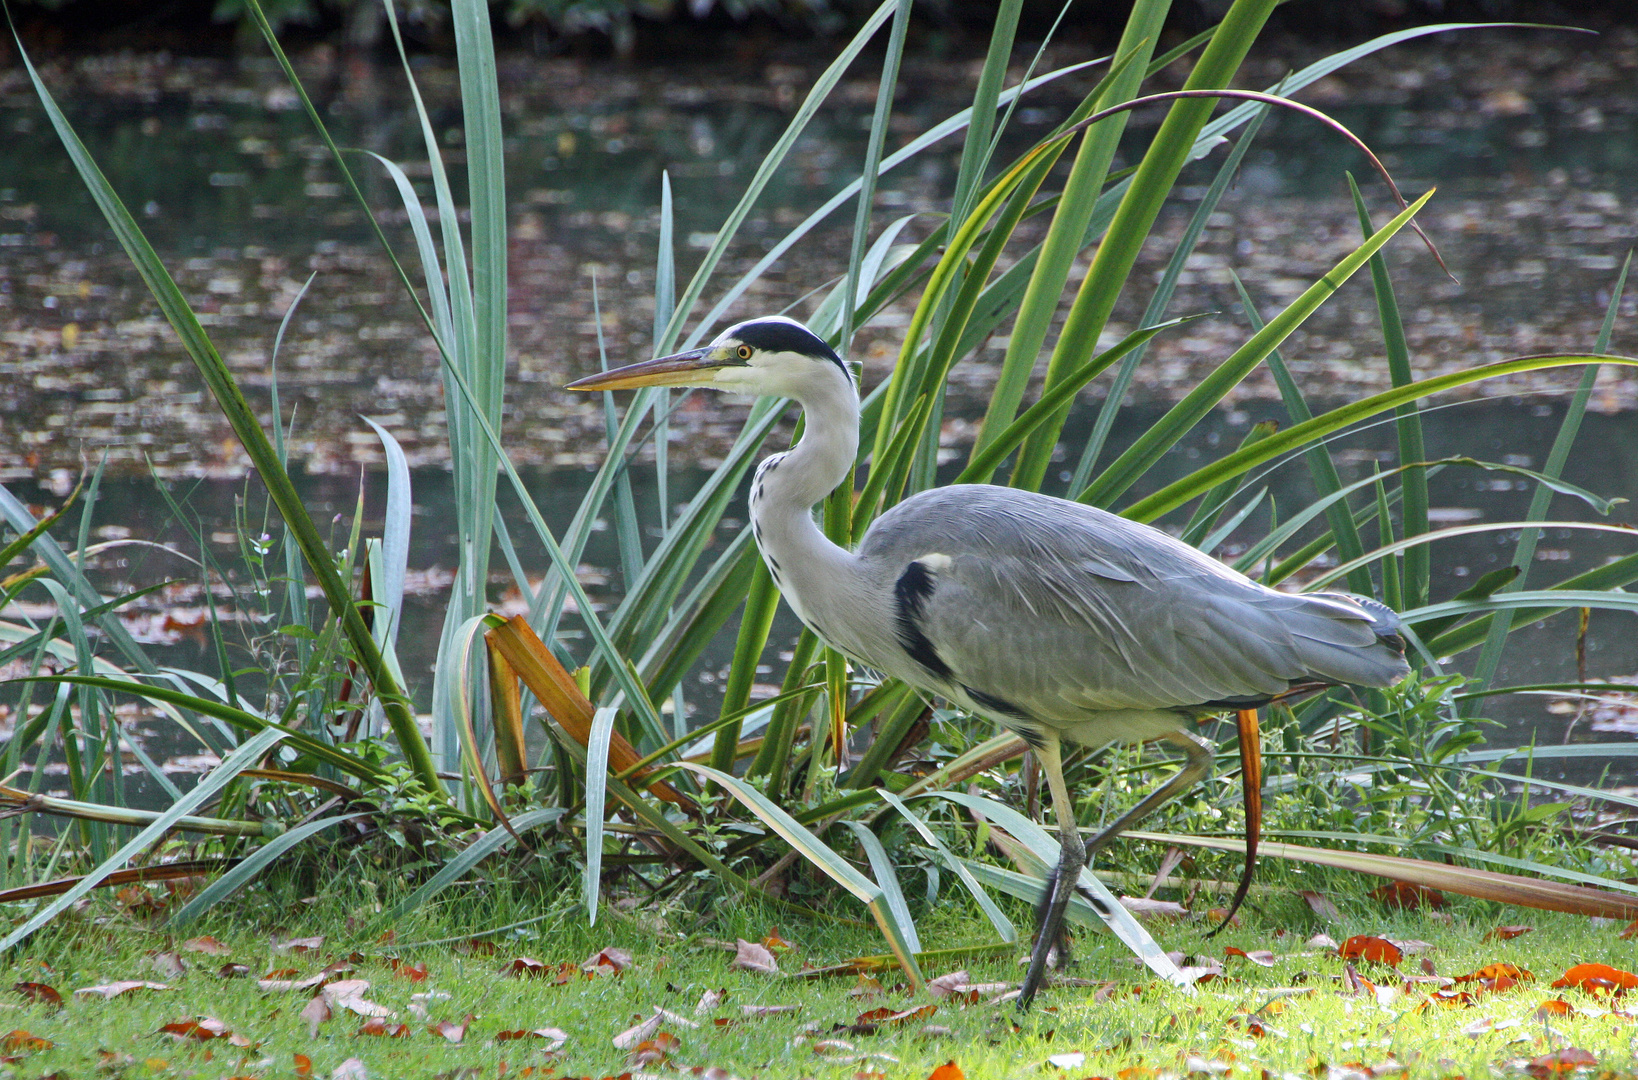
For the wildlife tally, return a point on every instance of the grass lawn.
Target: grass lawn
(1301, 1015)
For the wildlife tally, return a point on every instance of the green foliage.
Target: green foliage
(880, 823)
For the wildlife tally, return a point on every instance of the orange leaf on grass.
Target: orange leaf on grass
(207, 944)
(304, 1065)
(774, 943)
(379, 1027)
(1597, 977)
(26, 1041)
(1559, 1062)
(655, 1051)
(1260, 957)
(1497, 977)
(1508, 933)
(1407, 896)
(412, 972)
(1366, 947)
(40, 992)
(947, 1071)
(1554, 1007)
(609, 961)
(200, 1030)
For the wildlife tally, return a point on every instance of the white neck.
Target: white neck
(806, 565)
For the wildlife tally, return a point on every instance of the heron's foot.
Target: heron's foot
(1059, 953)
(1051, 935)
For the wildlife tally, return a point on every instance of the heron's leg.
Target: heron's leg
(1062, 883)
(1197, 764)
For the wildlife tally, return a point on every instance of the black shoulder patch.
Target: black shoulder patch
(910, 594)
(780, 336)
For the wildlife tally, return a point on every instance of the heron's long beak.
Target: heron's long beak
(680, 369)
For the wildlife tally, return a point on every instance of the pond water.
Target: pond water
(1532, 139)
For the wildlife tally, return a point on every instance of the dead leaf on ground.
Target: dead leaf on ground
(749, 956)
(412, 972)
(232, 970)
(450, 1030)
(768, 1010)
(115, 989)
(304, 1065)
(1553, 1008)
(1366, 947)
(650, 1025)
(39, 992)
(1260, 957)
(656, 1051)
(300, 946)
(869, 987)
(351, 1069)
(1497, 977)
(20, 1041)
(609, 961)
(207, 944)
(1407, 896)
(1321, 906)
(202, 1029)
(1508, 933)
(167, 965)
(1597, 978)
(710, 1000)
(315, 1012)
(873, 1020)
(1217, 916)
(947, 1071)
(555, 1037)
(349, 994)
(774, 943)
(1560, 1062)
(376, 1026)
(1322, 941)
(1153, 909)
(1203, 972)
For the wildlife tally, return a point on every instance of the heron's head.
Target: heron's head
(771, 355)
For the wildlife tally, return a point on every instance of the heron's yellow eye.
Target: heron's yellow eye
(743, 352)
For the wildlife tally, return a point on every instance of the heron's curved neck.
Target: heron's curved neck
(787, 485)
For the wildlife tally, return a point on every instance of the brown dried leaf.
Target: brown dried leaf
(609, 961)
(376, 1026)
(1260, 957)
(200, 1030)
(1321, 906)
(20, 1041)
(1597, 977)
(774, 943)
(1560, 1062)
(351, 1069)
(39, 992)
(753, 957)
(300, 945)
(315, 1012)
(115, 989)
(207, 945)
(655, 1051)
(1375, 949)
(233, 970)
(167, 965)
(450, 1030)
(1508, 933)
(1407, 896)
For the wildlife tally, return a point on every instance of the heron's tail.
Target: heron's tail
(1353, 658)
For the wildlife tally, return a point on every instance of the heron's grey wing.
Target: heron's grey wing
(1064, 610)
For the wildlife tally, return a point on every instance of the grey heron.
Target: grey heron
(1054, 619)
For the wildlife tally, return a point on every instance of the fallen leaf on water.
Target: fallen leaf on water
(115, 989)
(450, 1030)
(750, 956)
(20, 1041)
(1260, 957)
(1559, 1062)
(200, 1030)
(1508, 933)
(40, 992)
(1366, 947)
(376, 1026)
(1408, 897)
(947, 1071)
(1596, 977)
(315, 1012)
(655, 1051)
(207, 945)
